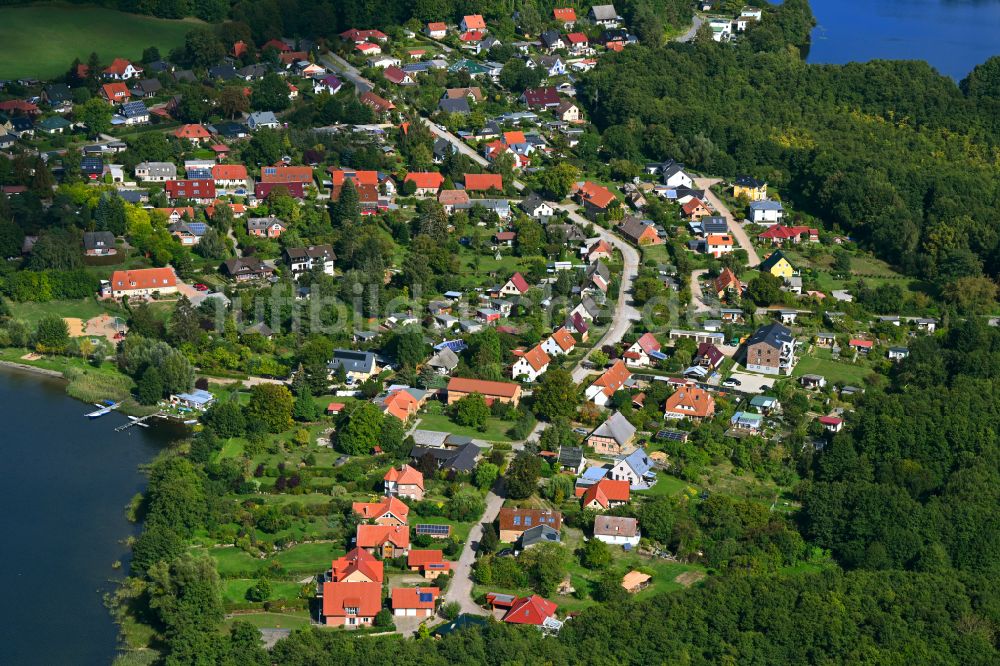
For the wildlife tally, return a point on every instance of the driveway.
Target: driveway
(690, 34)
(460, 589)
(735, 229)
(697, 299)
(752, 383)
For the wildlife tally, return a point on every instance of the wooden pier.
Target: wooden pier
(139, 421)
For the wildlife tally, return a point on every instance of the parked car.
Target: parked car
(201, 287)
(730, 383)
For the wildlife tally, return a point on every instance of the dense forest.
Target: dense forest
(893, 153)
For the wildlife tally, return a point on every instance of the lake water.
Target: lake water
(952, 35)
(63, 490)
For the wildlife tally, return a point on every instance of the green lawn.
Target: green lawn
(665, 485)
(308, 558)
(234, 591)
(835, 371)
(41, 40)
(496, 430)
(84, 309)
(297, 620)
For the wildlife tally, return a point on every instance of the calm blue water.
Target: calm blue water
(952, 35)
(63, 490)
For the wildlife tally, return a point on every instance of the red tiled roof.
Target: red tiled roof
(519, 282)
(400, 404)
(452, 197)
(436, 27)
(143, 278)
(530, 610)
(857, 342)
(514, 137)
(116, 91)
(378, 103)
(536, 358)
(613, 378)
(830, 420)
(394, 74)
(193, 131)
(564, 339)
(547, 96)
(606, 491)
(229, 172)
(358, 560)
(118, 66)
(375, 510)
(410, 597)
(692, 206)
(577, 38)
(405, 476)
(482, 386)
(282, 173)
(472, 36)
(564, 14)
(372, 536)
(474, 22)
(596, 195)
(528, 518)
(430, 180)
(481, 182)
(690, 401)
(648, 343)
(419, 558)
(365, 597)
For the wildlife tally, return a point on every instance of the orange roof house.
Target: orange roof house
(473, 22)
(400, 404)
(351, 605)
(595, 198)
(194, 133)
(564, 14)
(378, 104)
(727, 281)
(430, 563)
(427, 182)
(531, 364)
(120, 68)
(357, 566)
(389, 511)
(459, 387)
(483, 182)
(414, 601)
(282, 173)
(407, 481)
(560, 342)
(116, 92)
(530, 610)
(606, 494)
(143, 282)
(613, 379)
(695, 209)
(689, 402)
(387, 540)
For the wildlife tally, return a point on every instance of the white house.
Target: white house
(636, 468)
(560, 342)
(617, 530)
(260, 119)
(531, 365)
(766, 213)
(155, 172)
(639, 353)
(675, 176)
(534, 206)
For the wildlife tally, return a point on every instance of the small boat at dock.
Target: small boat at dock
(103, 409)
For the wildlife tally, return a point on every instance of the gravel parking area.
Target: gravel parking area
(752, 383)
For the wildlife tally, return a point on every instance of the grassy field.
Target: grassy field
(434, 419)
(834, 371)
(42, 40)
(85, 308)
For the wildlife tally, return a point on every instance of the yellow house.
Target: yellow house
(776, 264)
(749, 187)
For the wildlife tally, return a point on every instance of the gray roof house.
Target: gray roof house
(571, 458)
(98, 243)
(444, 361)
(616, 427)
(536, 535)
(259, 119)
(604, 14)
(360, 362)
(460, 459)
(636, 468)
(459, 105)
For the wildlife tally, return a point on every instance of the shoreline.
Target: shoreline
(33, 369)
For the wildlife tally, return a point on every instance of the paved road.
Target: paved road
(349, 71)
(697, 298)
(463, 148)
(690, 34)
(735, 229)
(625, 313)
(460, 589)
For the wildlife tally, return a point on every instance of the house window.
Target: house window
(527, 520)
(517, 520)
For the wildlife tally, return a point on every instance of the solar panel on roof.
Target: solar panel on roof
(426, 597)
(675, 435)
(433, 530)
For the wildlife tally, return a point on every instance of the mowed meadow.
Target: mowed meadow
(41, 40)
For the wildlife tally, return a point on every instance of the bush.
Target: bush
(383, 619)
(259, 591)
